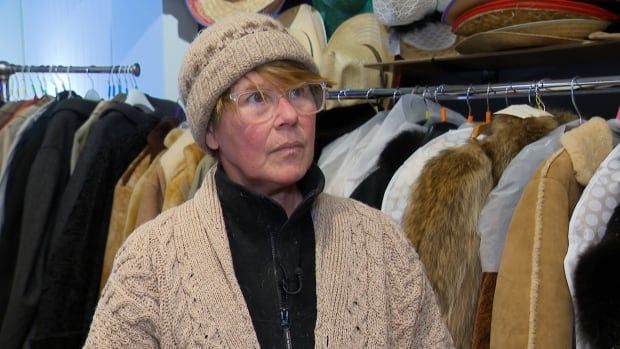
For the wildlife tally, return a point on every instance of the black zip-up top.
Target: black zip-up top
(273, 257)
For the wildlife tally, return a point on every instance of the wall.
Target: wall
(154, 34)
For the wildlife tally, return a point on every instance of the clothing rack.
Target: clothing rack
(481, 91)
(8, 69)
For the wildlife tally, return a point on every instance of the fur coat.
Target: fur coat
(441, 218)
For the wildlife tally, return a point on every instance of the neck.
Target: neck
(289, 198)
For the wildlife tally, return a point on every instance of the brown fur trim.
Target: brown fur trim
(441, 218)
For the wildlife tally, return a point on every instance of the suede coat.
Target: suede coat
(532, 306)
(441, 218)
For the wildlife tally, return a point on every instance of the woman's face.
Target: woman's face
(264, 157)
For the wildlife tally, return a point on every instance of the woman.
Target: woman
(259, 257)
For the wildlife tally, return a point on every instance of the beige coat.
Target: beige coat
(532, 305)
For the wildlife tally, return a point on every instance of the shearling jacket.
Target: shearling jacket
(173, 284)
(532, 305)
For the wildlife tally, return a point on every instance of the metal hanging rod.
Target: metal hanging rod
(6, 69)
(445, 92)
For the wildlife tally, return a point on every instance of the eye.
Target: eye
(297, 92)
(253, 98)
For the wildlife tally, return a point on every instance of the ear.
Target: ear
(212, 142)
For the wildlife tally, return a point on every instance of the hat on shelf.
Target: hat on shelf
(532, 34)
(501, 13)
(206, 12)
(306, 25)
(433, 40)
(456, 7)
(401, 12)
(500, 41)
(335, 12)
(358, 41)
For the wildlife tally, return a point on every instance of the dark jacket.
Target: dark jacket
(45, 182)
(272, 252)
(77, 245)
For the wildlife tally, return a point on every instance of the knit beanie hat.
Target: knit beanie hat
(223, 53)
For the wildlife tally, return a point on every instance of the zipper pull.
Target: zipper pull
(285, 325)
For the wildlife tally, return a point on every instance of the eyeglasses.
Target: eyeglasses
(256, 106)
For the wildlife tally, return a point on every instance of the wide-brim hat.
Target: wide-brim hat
(456, 7)
(358, 41)
(206, 12)
(502, 13)
(306, 24)
(530, 35)
(493, 41)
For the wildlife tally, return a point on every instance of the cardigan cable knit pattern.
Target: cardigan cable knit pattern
(173, 284)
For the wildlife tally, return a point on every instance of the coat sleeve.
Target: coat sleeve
(128, 312)
(416, 320)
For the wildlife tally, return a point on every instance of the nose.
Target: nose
(285, 112)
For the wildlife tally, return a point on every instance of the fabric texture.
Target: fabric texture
(272, 250)
(532, 305)
(441, 218)
(71, 285)
(588, 223)
(173, 283)
(177, 189)
(208, 68)
(44, 183)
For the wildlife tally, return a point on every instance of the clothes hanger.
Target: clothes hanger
(539, 102)
(91, 94)
(138, 99)
(470, 117)
(572, 97)
(69, 82)
(487, 114)
(443, 111)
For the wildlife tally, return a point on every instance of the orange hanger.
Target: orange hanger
(487, 114)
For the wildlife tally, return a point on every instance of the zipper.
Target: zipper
(284, 315)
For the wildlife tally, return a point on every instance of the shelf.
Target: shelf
(583, 53)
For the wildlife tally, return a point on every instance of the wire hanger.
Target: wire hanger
(572, 97)
(487, 113)
(539, 102)
(470, 117)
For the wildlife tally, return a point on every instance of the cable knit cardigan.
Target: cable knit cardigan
(173, 284)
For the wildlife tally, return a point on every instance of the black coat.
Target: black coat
(48, 175)
(77, 246)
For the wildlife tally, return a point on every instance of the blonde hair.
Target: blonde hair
(279, 73)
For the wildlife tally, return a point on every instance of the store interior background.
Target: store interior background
(154, 34)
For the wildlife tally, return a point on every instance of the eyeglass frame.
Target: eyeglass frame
(234, 97)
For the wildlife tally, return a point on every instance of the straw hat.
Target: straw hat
(575, 28)
(456, 7)
(492, 41)
(206, 12)
(358, 41)
(306, 25)
(502, 13)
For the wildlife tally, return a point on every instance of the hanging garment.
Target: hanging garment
(81, 135)
(71, 286)
(370, 191)
(398, 191)
(27, 222)
(177, 190)
(124, 189)
(201, 170)
(153, 186)
(596, 289)
(9, 131)
(441, 218)
(588, 223)
(494, 221)
(532, 305)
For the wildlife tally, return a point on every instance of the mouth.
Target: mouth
(288, 146)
